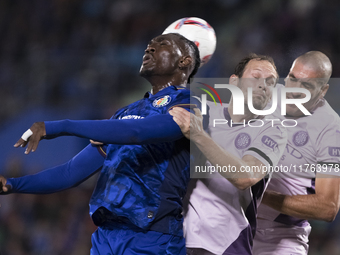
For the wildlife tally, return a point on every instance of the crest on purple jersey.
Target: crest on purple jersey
(300, 138)
(242, 141)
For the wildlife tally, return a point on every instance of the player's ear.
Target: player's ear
(324, 90)
(185, 62)
(233, 80)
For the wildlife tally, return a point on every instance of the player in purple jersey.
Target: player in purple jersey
(311, 189)
(221, 212)
(144, 162)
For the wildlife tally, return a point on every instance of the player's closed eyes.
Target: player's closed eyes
(271, 81)
(292, 79)
(165, 42)
(308, 85)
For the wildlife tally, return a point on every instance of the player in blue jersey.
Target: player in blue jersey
(143, 159)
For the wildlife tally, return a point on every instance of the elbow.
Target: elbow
(243, 183)
(242, 187)
(330, 213)
(329, 218)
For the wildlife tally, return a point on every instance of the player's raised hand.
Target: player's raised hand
(3, 186)
(96, 143)
(190, 124)
(32, 137)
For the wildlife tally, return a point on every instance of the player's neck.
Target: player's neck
(248, 115)
(158, 83)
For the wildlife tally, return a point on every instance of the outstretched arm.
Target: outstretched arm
(323, 205)
(192, 128)
(152, 129)
(55, 179)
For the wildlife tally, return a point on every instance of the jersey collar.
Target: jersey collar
(164, 91)
(228, 118)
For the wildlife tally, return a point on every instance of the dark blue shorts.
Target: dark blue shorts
(121, 241)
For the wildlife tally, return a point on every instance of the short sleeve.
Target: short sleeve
(328, 149)
(269, 145)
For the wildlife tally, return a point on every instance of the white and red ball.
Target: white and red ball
(197, 30)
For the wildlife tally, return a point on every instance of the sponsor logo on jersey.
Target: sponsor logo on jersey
(334, 151)
(266, 140)
(132, 117)
(290, 150)
(161, 101)
(242, 141)
(300, 138)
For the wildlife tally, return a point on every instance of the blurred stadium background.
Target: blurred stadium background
(79, 59)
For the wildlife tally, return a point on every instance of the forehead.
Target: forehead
(303, 71)
(169, 37)
(262, 66)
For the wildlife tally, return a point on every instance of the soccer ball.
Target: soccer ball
(198, 31)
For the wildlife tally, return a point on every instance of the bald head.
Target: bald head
(310, 71)
(317, 62)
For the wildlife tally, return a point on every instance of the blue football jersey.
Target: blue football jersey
(146, 183)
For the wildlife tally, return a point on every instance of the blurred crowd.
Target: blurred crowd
(71, 54)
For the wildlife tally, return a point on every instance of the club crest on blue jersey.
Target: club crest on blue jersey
(300, 138)
(161, 101)
(242, 141)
